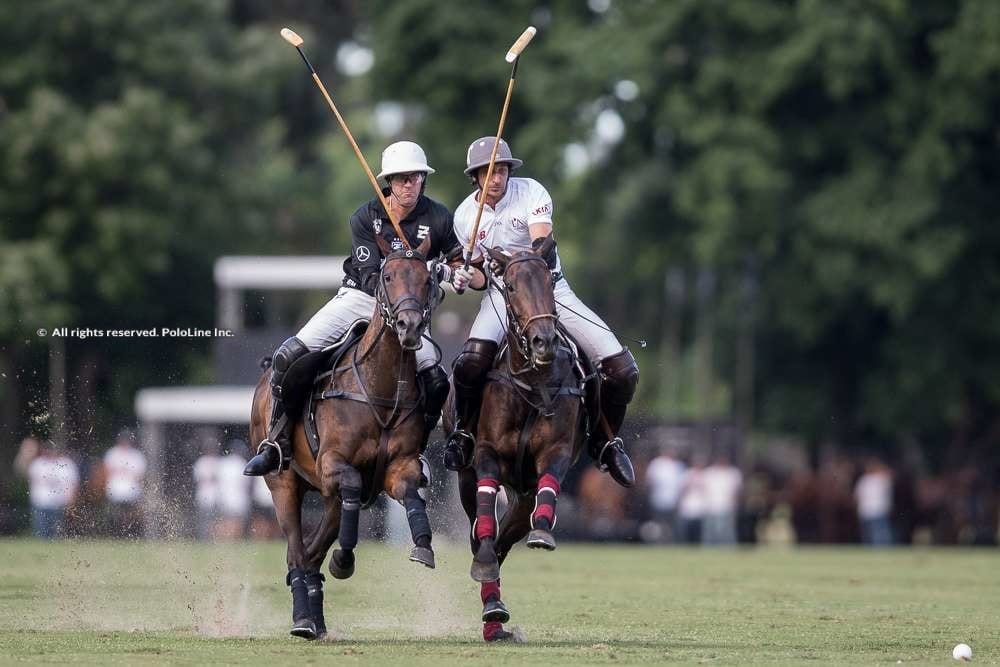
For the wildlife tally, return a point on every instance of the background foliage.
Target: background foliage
(793, 201)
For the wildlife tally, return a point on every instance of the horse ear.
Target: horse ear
(545, 247)
(499, 256)
(383, 245)
(425, 246)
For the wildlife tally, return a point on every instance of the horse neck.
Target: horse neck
(382, 353)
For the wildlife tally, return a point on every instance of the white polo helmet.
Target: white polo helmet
(403, 157)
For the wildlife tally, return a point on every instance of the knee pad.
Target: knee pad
(620, 377)
(283, 357)
(435, 389)
(474, 362)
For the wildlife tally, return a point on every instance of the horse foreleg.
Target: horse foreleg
(513, 527)
(552, 469)
(485, 566)
(403, 483)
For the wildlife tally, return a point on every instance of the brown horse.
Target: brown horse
(368, 442)
(531, 430)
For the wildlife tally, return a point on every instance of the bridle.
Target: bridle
(408, 302)
(517, 330)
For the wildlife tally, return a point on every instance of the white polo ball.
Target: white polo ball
(962, 652)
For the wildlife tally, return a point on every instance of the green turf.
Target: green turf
(140, 603)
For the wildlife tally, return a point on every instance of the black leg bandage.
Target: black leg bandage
(350, 508)
(314, 586)
(296, 579)
(416, 516)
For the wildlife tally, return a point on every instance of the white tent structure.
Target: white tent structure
(158, 407)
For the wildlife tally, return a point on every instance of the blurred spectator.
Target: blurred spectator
(206, 493)
(263, 523)
(233, 493)
(29, 450)
(53, 479)
(722, 482)
(873, 493)
(124, 479)
(693, 502)
(665, 479)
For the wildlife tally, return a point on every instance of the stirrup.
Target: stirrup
(282, 464)
(614, 443)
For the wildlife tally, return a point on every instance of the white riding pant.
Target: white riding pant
(596, 342)
(332, 320)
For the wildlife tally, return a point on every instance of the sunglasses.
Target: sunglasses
(412, 177)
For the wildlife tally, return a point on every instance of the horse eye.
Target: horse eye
(387, 277)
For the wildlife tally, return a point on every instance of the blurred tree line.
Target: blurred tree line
(793, 201)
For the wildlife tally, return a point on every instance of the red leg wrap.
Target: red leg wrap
(489, 589)
(491, 628)
(486, 508)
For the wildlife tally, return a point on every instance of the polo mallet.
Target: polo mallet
(292, 38)
(513, 55)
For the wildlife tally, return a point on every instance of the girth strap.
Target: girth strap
(378, 475)
(371, 400)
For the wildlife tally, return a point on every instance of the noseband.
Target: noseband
(520, 330)
(408, 302)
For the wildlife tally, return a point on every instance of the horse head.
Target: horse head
(531, 304)
(406, 292)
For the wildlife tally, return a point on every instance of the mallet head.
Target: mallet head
(291, 37)
(522, 41)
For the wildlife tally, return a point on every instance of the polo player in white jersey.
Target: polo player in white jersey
(518, 216)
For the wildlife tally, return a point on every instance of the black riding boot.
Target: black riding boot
(619, 378)
(276, 453)
(435, 386)
(471, 368)
(275, 450)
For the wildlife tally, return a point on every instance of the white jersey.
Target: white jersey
(52, 482)
(126, 471)
(525, 203)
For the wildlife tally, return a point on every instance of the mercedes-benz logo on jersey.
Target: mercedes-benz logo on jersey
(362, 253)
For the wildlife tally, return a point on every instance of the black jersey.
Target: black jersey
(428, 218)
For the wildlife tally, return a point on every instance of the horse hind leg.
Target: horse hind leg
(319, 543)
(286, 493)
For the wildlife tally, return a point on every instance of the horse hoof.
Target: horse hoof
(495, 611)
(488, 571)
(304, 628)
(422, 555)
(495, 633)
(342, 564)
(541, 539)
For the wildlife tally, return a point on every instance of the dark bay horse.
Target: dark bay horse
(531, 429)
(368, 442)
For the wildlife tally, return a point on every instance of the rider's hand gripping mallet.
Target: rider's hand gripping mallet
(292, 38)
(513, 55)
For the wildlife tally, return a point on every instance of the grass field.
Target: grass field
(141, 603)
